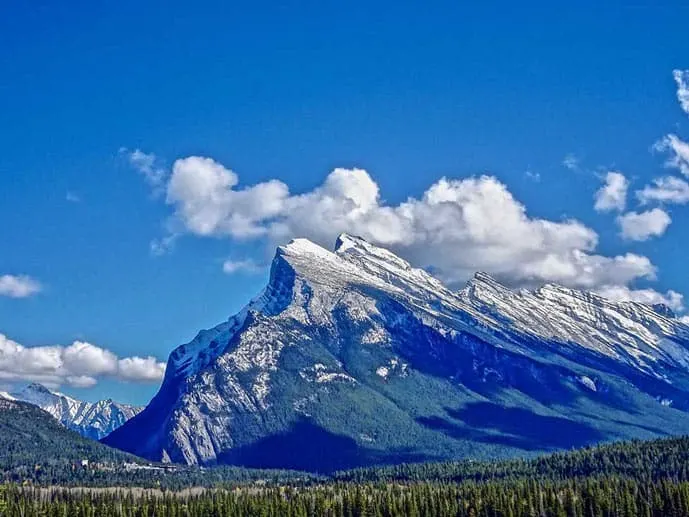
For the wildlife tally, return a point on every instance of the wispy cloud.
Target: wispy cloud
(571, 162)
(682, 80)
(231, 267)
(147, 164)
(72, 197)
(533, 176)
(677, 151)
(667, 189)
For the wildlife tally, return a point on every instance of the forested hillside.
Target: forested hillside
(623, 480)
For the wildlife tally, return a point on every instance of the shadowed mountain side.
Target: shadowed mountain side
(352, 357)
(513, 427)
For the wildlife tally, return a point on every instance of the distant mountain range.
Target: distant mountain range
(90, 419)
(353, 357)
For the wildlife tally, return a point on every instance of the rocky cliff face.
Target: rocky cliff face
(354, 357)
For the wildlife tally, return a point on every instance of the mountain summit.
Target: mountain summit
(354, 357)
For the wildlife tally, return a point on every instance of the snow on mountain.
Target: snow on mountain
(638, 335)
(92, 420)
(355, 357)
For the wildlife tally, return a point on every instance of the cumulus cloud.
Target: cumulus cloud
(18, 286)
(236, 266)
(456, 227)
(671, 298)
(613, 194)
(667, 189)
(80, 364)
(206, 202)
(682, 80)
(642, 226)
(678, 153)
(140, 369)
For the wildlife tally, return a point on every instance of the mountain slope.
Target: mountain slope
(353, 357)
(29, 436)
(91, 420)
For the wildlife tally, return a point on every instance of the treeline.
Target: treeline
(96, 475)
(664, 459)
(603, 497)
(35, 449)
(644, 461)
(649, 479)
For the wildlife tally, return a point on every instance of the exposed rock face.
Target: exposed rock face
(354, 357)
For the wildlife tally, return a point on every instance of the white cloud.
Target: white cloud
(18, 286)
(671, 298)
(613, 194)
(79, 364)
(571, 162)
(140, 369)
(667, 189)
(642, 226)
(147, 165)
(682, 80)
(206, 202)
(684, 319)
(455, 228)
(678, 151)
(235, 266)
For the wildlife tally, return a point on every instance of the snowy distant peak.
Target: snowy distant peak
(93, 420)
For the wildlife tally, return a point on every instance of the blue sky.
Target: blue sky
(94, 97)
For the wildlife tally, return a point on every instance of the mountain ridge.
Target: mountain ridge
(92, 420)
(371, 360)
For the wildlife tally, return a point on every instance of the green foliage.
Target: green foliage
(643, 460)
(593, 497)
(35, 449)
(636, 478)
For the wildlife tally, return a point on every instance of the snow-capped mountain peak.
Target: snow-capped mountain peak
(358, 344)
(91, 419)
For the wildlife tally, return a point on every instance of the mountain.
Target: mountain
(29, 437)
(353, 357)
(90, 419)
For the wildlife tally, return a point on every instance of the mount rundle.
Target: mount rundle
(353, 357)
